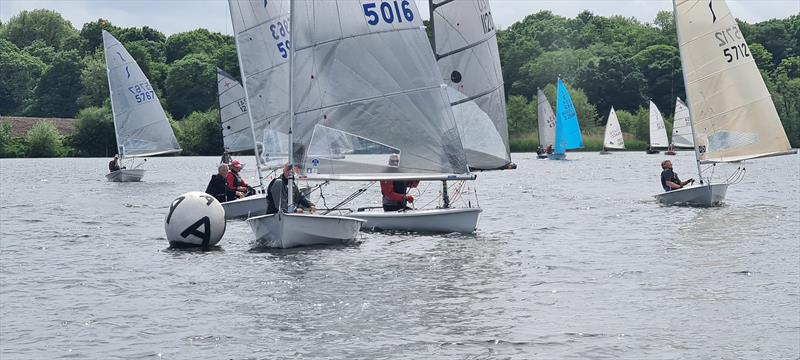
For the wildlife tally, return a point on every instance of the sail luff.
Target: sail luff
(731, 110)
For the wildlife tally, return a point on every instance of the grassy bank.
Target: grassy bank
(591, 142)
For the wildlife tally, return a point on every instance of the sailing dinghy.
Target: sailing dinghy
(140, 124)
(681, 129)
(547, 125)
(612, 140)
(568, 132)
(731, 113)
(658, 132)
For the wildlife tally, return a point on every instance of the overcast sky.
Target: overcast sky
(171, 16)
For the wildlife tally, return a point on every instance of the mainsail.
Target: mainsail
(140, 124)
(365, 72)
(681, 126)
(236, 133)
(262, 41)
(568, 132)
(613, 137)
(732, 112)
(547, 121)
(466, 49)
(658, 132)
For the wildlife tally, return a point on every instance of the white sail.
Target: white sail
(613, 137)
(366, 71)
(732, 112)
(547, 121)
(140, 123)
(681, 126)
(658, 132)
(466, 49)
(236, 133)
(262, 40)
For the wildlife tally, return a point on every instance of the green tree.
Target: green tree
(42, 51)
(5, 138)
(200, 133)
(191, 85)
(19, 74)
(94, 81)
(616, 75)
(520, 117)
(94, 132)
(200, 41)
(762, 57)
(661, 66)
(587, 113)
(46, 25)
(92, 35)
(44, 140)
(56, 94)
(547, 68)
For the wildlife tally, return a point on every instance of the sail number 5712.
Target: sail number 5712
(388, 11)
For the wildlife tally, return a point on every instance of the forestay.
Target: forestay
(732, 113)
(613, 136)
(466, 49)
(364, 71)
(547, 120)
(236, 133)
(262, 41)
(681, 126)
(568, 132)
(140, 124)
(658, 132)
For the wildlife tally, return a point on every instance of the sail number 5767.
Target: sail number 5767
(389, 12)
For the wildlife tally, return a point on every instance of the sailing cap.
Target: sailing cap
(236, 164)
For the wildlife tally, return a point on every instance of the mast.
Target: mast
(432, 7)
(290, 199)
(686, 86)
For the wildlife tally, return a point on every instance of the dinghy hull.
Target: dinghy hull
(427, 221)
(245, 207)
(557, 156)
(285, 231)
(700, 195)
(126, 175)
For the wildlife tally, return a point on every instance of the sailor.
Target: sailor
(218, 186)
(669, 179)
(540, 150)
(278, 195)
(113, 165)
(550, 149)
(395, 193)
(226, 158)
(235, 181)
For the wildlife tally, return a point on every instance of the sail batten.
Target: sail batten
(466, 50)
(140, 123)
(732, 113)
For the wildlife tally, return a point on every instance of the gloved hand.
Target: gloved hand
(409, 198)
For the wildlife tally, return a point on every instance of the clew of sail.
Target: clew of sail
(365, 73)
(263, 42)
(568, 132)
(236, 133)
(732, 113)
(547, 120)
(465, 44)
(681, 126)
(140, 124)
(658, 132)
(613, 136)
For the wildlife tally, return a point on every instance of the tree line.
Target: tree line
(48, 68)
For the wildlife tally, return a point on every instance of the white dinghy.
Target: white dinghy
(547, 125)
(238, 135)
(140, 124)
(731, 113)
(612, 140)
(681, 127)
(658, 132)
(264, 47)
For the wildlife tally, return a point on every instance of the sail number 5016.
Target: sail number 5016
(388, 11)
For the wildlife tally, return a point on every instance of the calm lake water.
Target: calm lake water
(572, 260)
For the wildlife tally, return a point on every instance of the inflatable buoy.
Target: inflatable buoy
(195, 219)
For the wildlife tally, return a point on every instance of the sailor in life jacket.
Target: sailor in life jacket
(395, 193)
(235, 181)
(278, 194)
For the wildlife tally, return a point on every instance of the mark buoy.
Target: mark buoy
(195, 219)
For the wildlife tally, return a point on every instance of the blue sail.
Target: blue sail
(568, 133)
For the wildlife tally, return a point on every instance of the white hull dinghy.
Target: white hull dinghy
(699, 195)
(253, 205)
(126, 175)
(612, 140)
(285, 231)
(450, 220)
